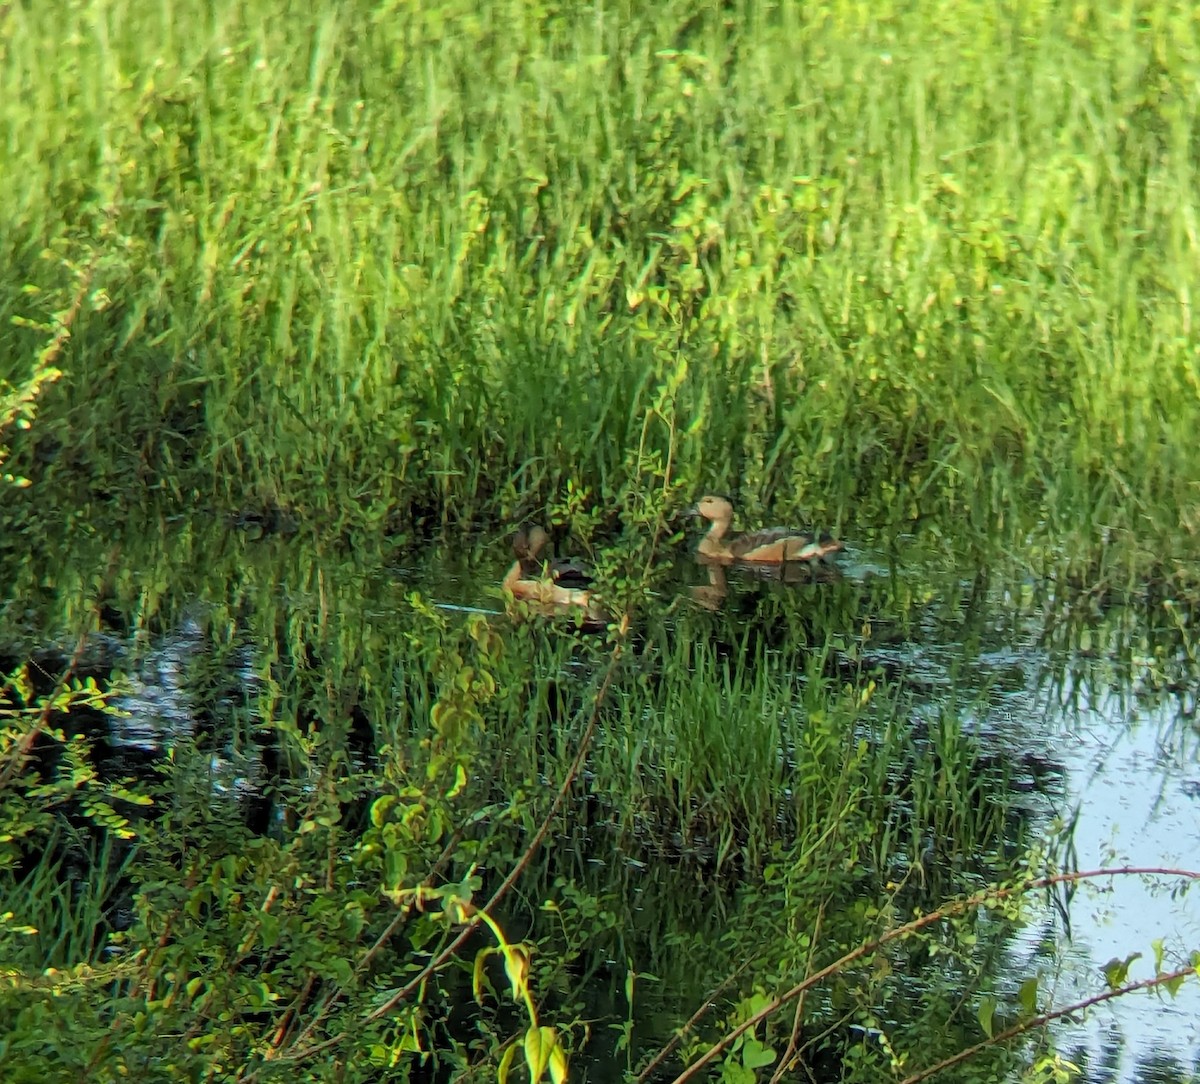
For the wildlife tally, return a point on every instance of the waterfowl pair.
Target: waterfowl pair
(772, 545)
(550, 586)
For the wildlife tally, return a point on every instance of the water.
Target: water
(1132, 786)
(1091, 708)
(1129, 796)
(1097, 715)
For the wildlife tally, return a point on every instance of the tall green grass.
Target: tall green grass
(751, 784)
(874, 263)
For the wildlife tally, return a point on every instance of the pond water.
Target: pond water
(1106, 696)
(1089, 702)
(1133, 784)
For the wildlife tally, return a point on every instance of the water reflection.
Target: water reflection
(1131, 806)
(1081, 706)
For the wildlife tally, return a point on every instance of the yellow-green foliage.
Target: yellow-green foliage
(872, 260)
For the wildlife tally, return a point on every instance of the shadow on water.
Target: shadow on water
(956, 719)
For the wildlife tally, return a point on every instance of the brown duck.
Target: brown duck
(773, 545)
(551, 586)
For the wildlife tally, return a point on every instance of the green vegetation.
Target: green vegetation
(876, 264)
(741, 811)
(351, 277)
(330, 941)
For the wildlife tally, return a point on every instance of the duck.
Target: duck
(528, 544)
(772, 545)
(550, 586)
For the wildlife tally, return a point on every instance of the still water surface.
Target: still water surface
(1093, 704)
(1106, 697)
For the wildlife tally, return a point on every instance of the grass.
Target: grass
(875, 265)
(923, 275)
(727, 771)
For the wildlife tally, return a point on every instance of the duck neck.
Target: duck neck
(712, 544)
(717, 531)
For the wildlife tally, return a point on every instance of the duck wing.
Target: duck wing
(780, 544)
(572, 573)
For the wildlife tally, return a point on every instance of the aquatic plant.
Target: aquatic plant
(743, 1053)
(882, 270)
(294, 289)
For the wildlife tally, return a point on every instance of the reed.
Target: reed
(880, 267)
(376, 273)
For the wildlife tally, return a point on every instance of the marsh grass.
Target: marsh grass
(878, 267)
(923, 277)
(755, 777)
(67, 900)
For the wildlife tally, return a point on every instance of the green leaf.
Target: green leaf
(506, 1064)
(477, 975)
(558, 1063)
(1117, 971)
(539, 1042)
(755, 1055)
(1027, 995)
(986, 1013)
(379, 809)
(460, 781)
(516, 966)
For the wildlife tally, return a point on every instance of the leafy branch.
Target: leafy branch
(989, 897)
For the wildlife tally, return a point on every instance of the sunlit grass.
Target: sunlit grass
(876, 265)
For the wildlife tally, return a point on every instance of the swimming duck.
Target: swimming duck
(551, 586)
(528, 545)
(773, 545)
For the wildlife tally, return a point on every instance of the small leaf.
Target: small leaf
(755, 1055)
(1027, 995)
(558, 1063)
(460, 782)
(1157, 945)
(986, 1014)
(379, 809)
(516, 966)
(537, 1050)
(477, 974)
(1117, 971)
(506, 1064)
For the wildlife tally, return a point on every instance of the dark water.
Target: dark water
(1089, 701)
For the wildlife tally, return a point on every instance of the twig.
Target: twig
(957, 907)
(692, 1021)
(328, 1003)
(1045, 1018)
(505, 886)
(526, 858)
(798, 1017)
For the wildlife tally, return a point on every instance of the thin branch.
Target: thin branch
(798, 1017)
(1046, 1018)
(705, 1005)
(992, 895)
(522, 863)
(20, 753)
(505, 886)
